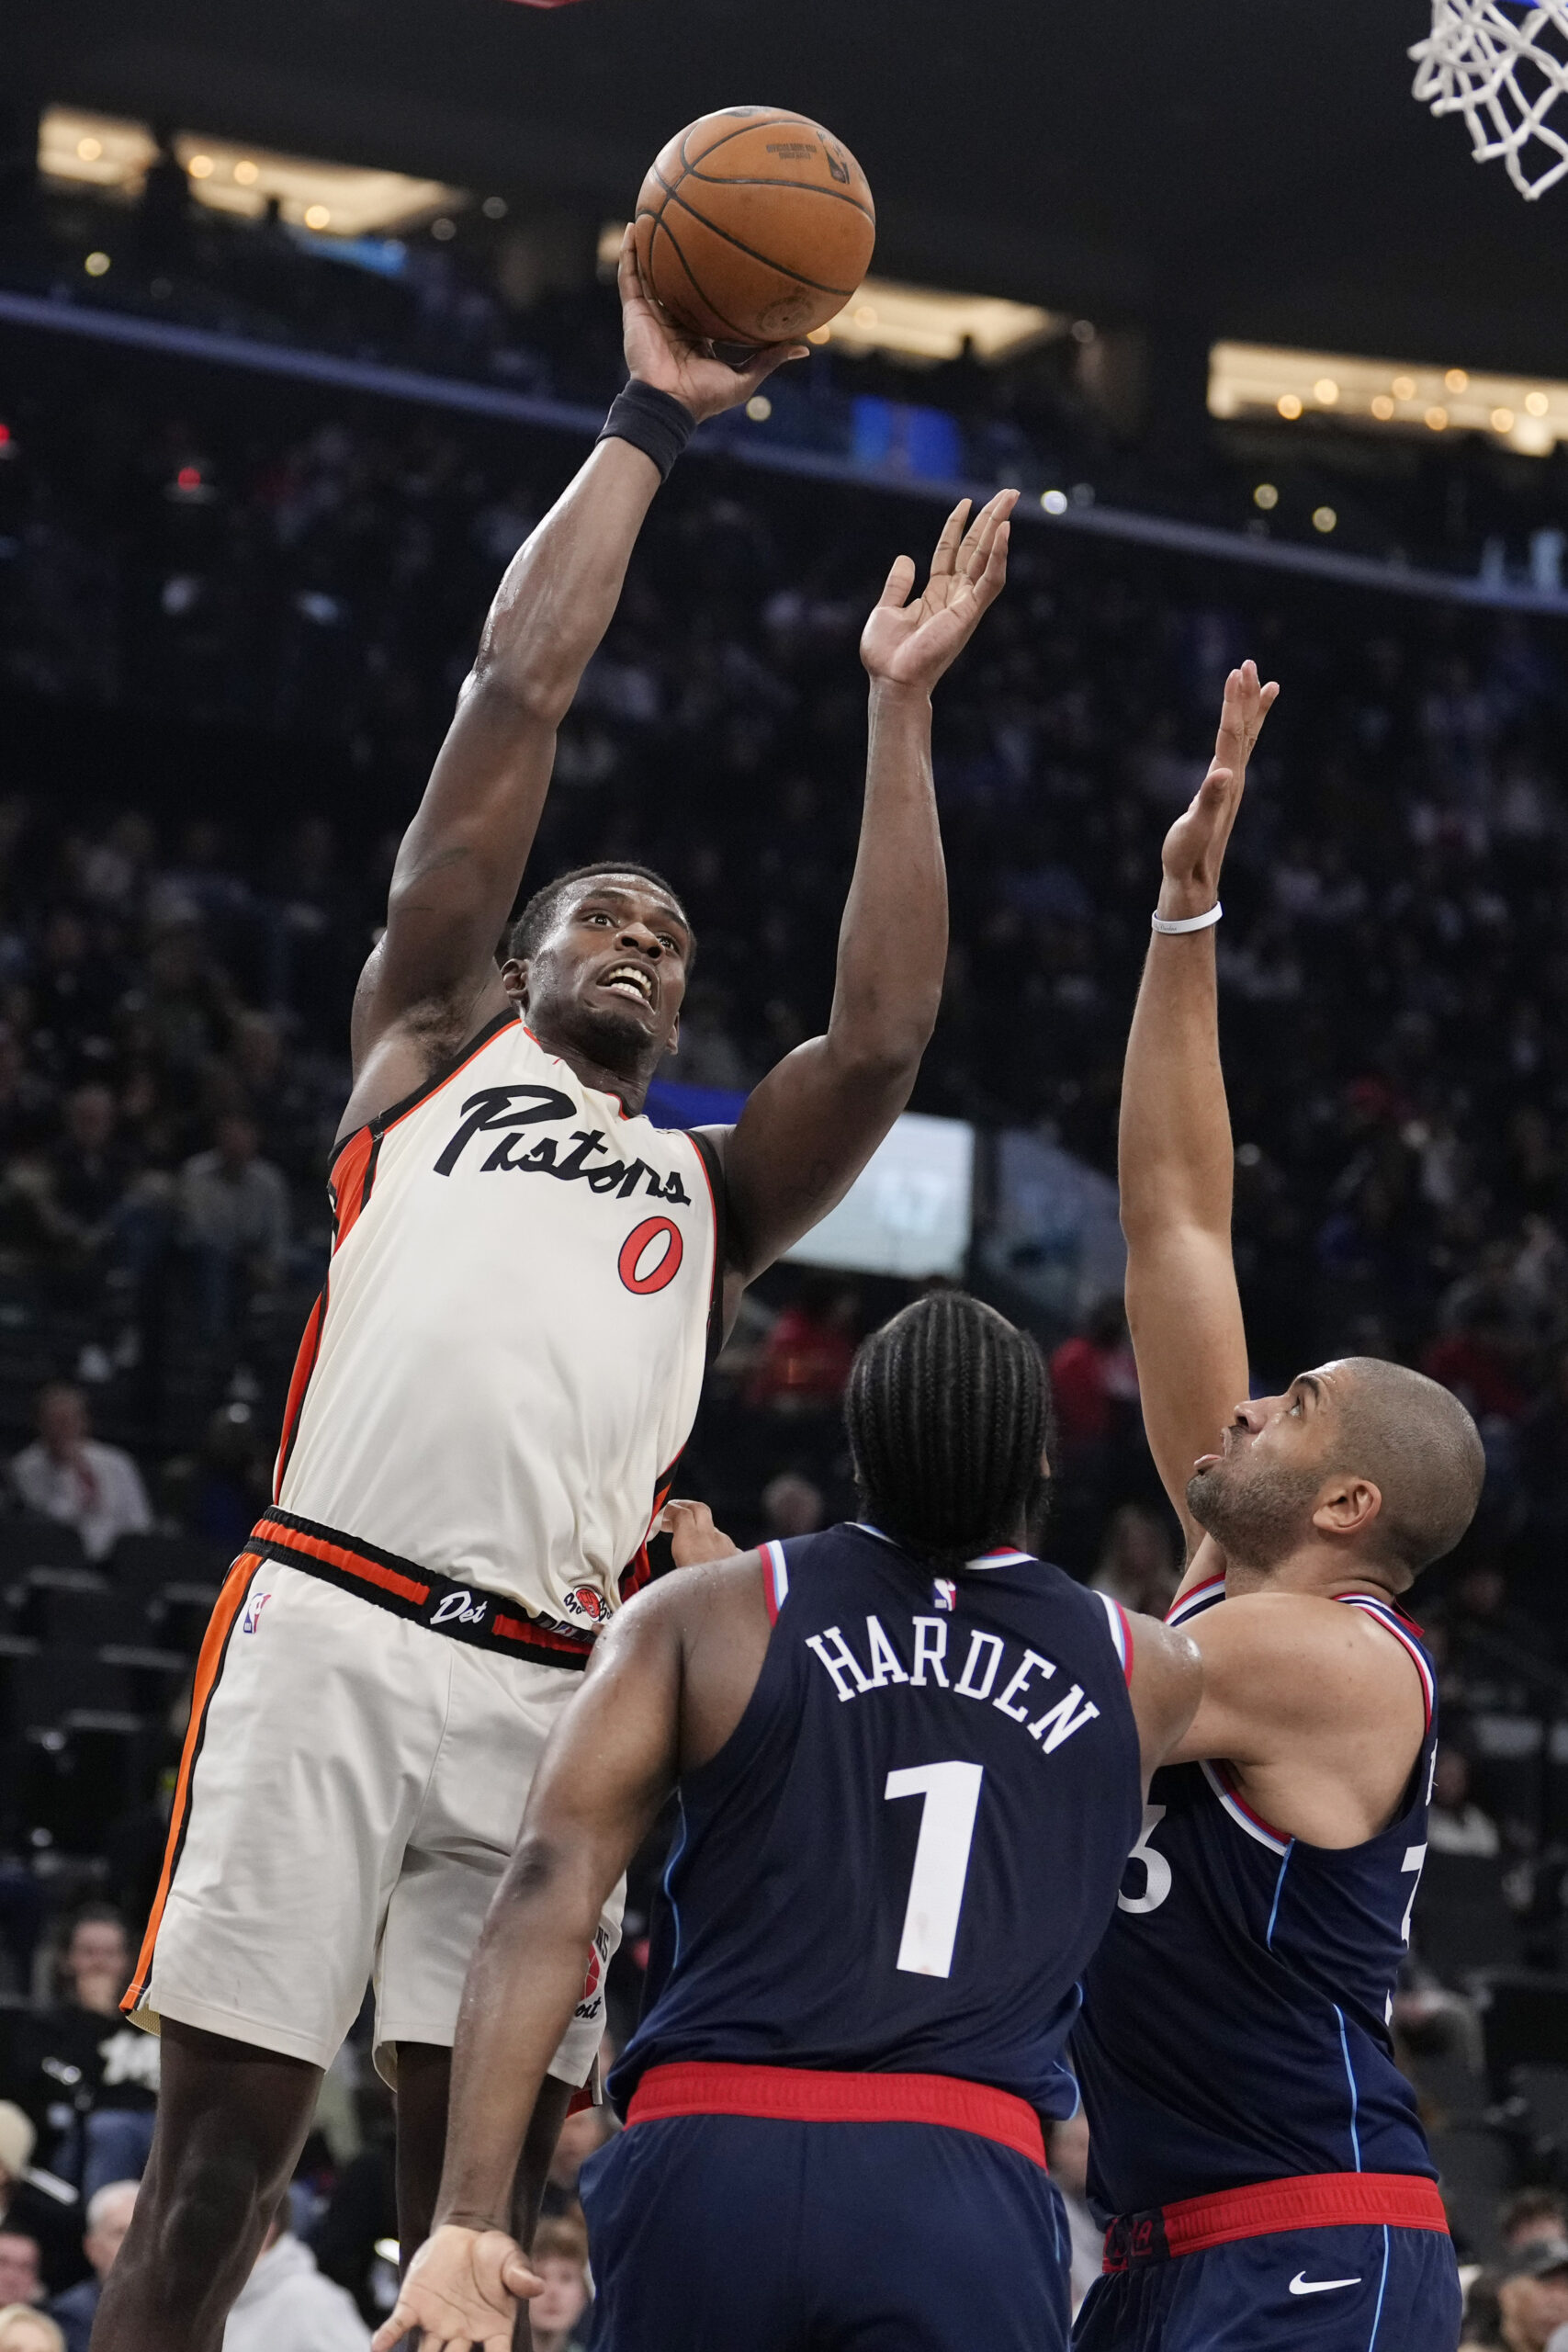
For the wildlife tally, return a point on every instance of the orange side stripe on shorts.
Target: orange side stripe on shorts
(214, 1642)
(355, 1564)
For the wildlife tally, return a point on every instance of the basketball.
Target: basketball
(754, 225)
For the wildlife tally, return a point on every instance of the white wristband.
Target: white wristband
(1190, 922)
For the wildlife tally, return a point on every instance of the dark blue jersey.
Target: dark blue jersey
(1235, 2025)
(904, 1856)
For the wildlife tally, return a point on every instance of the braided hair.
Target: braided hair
(949, 1414)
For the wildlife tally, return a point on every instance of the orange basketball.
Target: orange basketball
(754, 225)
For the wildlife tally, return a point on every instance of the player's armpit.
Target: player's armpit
(1166, 1688)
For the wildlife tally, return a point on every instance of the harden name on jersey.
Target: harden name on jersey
(988, 1658)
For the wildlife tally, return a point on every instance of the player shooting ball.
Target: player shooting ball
(528, 1280)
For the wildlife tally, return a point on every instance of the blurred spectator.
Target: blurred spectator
(37, 2226)
(557, 2317)
(1094, 1381)
(806, 1358)
(580, 2134)
(1533, 2217)
(1457, 1825)
(85, 2071)
(1138, 1564)
(109, 2218)
(1533, 2299)
(286, 2305)
(233, 1209)
(792, 1505)
(67, 1475)
(28, 2331)
(21, 2275)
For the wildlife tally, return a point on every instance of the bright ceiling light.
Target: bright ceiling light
(1262, 381)
(108, 151)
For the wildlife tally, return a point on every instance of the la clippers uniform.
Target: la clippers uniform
(882, 1893)
(490, 1399)
(1252, 2146)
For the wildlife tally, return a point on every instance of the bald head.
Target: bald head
(1419, 1447)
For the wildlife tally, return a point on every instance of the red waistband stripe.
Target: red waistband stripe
(805, 2095)
(1319, 2200)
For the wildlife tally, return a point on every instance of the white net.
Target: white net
(1503, 64)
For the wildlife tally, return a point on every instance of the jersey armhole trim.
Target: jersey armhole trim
(776, 1579)
(1199, 1596)
(1381, 1614)
(713, 1176)
(1121, 1634)
(441, 1077)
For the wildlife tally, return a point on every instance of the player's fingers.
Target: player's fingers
(947, 547)
(899, 581)
(993, 579)
(765, 362)
(982, 534)
(390, 2334)
(628, 277)
(519, 2279)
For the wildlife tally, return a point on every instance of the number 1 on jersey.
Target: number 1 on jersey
(952, 1792)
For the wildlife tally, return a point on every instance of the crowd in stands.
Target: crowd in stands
(230, 631)
(509, 297)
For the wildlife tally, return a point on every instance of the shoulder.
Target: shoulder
(677, 1607)
(1300, 1652)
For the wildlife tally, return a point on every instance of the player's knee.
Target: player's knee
(217, 2208)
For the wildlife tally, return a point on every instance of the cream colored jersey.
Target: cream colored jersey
(506, 1360)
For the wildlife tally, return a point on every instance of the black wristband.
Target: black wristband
(654, 422)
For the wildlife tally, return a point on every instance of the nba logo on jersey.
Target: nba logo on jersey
(944, 1594)
(251, 1620)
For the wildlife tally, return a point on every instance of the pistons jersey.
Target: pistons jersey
(1235, 2018)
(506, 1360)
(903, 1857)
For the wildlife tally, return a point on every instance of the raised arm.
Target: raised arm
(1183, 1308)
(606, 1770)
(815, 1121)
(432, 980)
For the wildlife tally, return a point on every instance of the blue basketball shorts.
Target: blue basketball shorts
(722, 2233)
(1352, 2285)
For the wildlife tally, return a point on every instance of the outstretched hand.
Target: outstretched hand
(464, 2288)
(1195, 846)
(662, 353)
(694, 1538)
(912, 645)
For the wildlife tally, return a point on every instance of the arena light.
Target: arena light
(1386, 395)
(332, 200)
(921, 324)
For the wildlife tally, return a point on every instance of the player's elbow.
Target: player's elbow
(878, 1046)
(521, 690)
(545, 1875)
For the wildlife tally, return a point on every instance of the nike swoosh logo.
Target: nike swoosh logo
(1301, 2285)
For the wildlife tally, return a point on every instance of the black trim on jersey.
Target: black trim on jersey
(469, 1612)
(439, 1078)
(712, 1167)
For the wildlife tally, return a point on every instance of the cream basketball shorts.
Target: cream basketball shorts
(350, 1793)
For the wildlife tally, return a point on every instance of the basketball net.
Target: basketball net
(1503, 64)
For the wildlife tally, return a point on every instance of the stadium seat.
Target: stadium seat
(30, 1543)
(1524, 2020)
(1463, 1923)
(1475, 2172)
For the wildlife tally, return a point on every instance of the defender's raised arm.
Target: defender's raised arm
(1175, 1153)
(815, 1121)
(432, 981)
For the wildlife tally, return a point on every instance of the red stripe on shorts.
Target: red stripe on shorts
(805, 2095)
